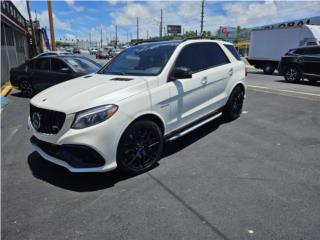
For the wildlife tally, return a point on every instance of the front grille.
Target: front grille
(50, 122)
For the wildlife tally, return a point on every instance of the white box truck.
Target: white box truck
(267, 46)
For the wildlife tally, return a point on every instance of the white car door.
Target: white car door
(218, 73)
(188, 96)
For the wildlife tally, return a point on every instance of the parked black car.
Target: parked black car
(311, 50)
(40, 73)
(76, 50)
(301, 63)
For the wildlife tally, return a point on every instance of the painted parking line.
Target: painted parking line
(284, 91)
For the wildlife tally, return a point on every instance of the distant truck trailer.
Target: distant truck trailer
(267, 46)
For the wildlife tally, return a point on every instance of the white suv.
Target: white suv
(150, 93)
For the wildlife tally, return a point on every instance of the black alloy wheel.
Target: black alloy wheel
(140, 147)
(26, 89)
(292, 74)
(234, 106)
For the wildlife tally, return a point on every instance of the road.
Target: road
(257, 177)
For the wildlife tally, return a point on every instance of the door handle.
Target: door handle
(204, 81)
(230, 72)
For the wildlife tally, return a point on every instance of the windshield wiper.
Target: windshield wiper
(117, 73)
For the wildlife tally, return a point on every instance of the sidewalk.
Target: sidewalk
(5, 90)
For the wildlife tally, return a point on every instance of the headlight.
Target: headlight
(93, 116)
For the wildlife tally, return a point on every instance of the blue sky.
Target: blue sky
(76, 19)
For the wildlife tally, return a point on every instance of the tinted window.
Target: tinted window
(213, 55)
(233, 50)
(311, 51)
(201, 56)
(190, 57)
(81, 65)
(57, 64)
(41, 64)
(299, 51)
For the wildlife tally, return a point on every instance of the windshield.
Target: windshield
(82, 65)
(141, 60)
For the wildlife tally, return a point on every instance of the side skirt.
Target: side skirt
(192, 126)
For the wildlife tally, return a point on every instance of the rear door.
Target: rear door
(218, 72)
(311, 61)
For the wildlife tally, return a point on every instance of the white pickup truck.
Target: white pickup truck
(267, 46)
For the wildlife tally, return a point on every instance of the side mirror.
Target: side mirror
(65, 70)
(181, 73)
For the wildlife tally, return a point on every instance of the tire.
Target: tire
(140, 147)
(234, 105)
(26, 89)
(292, 74)
(268, 68)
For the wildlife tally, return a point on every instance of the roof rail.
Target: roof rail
(201, 37)
(155, 40)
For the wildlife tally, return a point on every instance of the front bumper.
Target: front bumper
(98, 142)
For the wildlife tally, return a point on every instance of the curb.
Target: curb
(5, 90)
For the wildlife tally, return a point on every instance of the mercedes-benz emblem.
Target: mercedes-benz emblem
(36, 120)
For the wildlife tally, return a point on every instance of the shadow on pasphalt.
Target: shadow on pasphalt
(302, 82)
(86, 182)
(19, 95)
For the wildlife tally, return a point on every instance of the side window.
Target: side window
(299, 51)
(57, 64)
(41, 64)
(312, 51)
(213, 55)
(233, 50)
(190, 57)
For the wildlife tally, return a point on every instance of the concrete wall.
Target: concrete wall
(14, 50)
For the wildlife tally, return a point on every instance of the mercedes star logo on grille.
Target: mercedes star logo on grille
(36, 120)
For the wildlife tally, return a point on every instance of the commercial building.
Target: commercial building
(14, 39)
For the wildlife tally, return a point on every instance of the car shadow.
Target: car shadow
(19, 95)
(87, 182)
(262, 73)
(302, 82)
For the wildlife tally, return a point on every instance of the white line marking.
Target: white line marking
(287, 91)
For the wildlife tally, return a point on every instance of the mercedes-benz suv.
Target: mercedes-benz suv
(150, 93)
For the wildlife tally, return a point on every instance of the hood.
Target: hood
(89, 91)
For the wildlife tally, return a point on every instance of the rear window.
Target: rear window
(233, 50)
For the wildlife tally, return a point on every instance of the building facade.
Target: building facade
(14, 39)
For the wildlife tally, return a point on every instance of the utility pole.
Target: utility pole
(137, 28)
(161, 24)
(53, 43)
(101, 37)
(202, 13)
(147, 34)
(127, 36)
(90, 39)
(116, 36)
(32, 30)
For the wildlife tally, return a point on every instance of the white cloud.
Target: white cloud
(43, 17)
(71, 4)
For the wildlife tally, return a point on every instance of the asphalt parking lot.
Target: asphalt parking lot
(257, 177)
